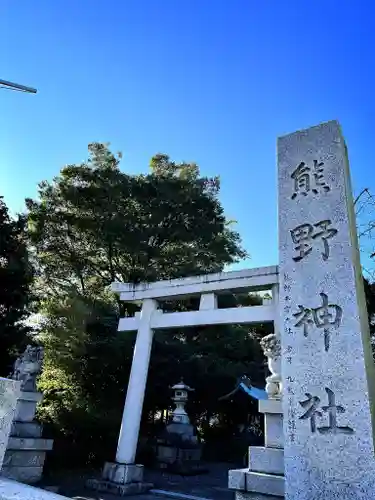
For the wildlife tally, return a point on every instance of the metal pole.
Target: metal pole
(16, 86)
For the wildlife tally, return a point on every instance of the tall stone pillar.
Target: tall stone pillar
(9, 394)
(328, 371)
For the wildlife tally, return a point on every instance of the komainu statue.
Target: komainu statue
(27, 367)
(272, 350)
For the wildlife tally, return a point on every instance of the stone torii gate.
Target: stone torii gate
(319, 434)
(151, 318)
(124, 474)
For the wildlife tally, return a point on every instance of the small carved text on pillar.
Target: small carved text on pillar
(309, 179)
(291, 420)
(305, 235)
(314, 410)
(287, 309)
(324, 317)
(288, 354)
(290, 389)
(287, 278)
(288, 330)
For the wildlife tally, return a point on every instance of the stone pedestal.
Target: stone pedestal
(120, 479)
(26, 450)
(264, 478)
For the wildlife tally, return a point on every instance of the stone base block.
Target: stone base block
(268, 460)
(273, 422)
(39, 444)
(119, 489)
(256, 482)
(24, 458)
(26, 406)
(271, 406)
(122, 473)
(26, 429)
(28, 475)
(273, 430)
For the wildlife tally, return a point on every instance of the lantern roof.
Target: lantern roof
(181, 386)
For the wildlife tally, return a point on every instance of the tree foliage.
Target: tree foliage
(96, 224)
(15, 279)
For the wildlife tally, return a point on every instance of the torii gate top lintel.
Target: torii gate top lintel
(256, 279)
(207, 287)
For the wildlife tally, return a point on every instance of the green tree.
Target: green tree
(15, 278)
(95, 224)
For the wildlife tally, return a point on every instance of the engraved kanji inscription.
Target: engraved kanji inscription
(314, 410)
(325, 316)
(303, 237)
(292, 425)
(312, 404)
(291, 411)
(291, 422)
(309, 179)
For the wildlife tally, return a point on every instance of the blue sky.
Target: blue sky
(209, 81)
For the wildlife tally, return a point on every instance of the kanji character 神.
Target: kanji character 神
(322, 317)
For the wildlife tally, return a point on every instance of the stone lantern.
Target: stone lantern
(180, 399)
(178, 446)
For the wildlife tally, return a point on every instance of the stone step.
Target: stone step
(268, 460)
(24, 458)
(26, 429)
(17, 443)
(256, 482)
(29, 475)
